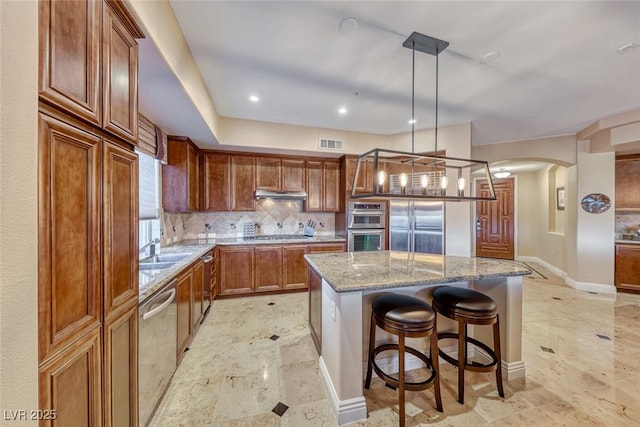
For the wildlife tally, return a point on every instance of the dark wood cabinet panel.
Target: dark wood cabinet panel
(69, 38)
(268, 173)
(236, 270)
(198, 295)
(71, 383)
(120, 227)
(294, 267)
(627, 267)
(216, 182)
(121, 370)
(628, 183)
(268, 268)
(69, 271)
(314, 187)
(293, 174)
(119, 77)
(315, 308)
(180, 178)
(325, 247)
(331, 186)
(183, 298)
(243, 181)
(364, 182)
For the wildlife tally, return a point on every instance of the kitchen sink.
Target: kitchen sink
(154, 265)
(164, 258)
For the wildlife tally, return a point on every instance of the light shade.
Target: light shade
(396, 166)
(502, 174)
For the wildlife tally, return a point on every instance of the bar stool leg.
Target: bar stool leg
(435, 364)
(462, 357)
(496, 350)
(372, 342)
(401, 376)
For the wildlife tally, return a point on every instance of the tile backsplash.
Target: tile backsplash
(270, 217)
(627, 222)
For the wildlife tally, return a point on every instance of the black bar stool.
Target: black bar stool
(469, 307)
(406, 317)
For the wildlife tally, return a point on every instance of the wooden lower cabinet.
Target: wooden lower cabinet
(71, 384)
(121, 370)
(183, 298)
(628, 267)
(294, 273)
(236, 270)
(325, 247)
(268, 268)
(198, 295)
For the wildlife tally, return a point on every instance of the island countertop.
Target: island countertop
(363, 271)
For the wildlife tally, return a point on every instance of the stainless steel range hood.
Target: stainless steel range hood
(281, 195)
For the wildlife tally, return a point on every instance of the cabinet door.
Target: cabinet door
(215, 287)
(193, 190)
(331, 184)
(315, 308)
(627, 189)
(294, 267)
(69, 272)
(236, 270)
(628, 267)
(198, 295)
(325, 247)
(71, 384)
(293, 174)
(364, 184)
(314, 187)
(268, 173)
(120, 222)
(216, 182)
(183, 297)
(121, 370)
(69, 72)
(120, 78)
(268, 270)
(243, 180)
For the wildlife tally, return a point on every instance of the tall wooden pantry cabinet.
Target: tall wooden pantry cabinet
(88, 213)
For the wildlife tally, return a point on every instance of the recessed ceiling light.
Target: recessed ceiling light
(489, 57)
(254, 98)
(628, 47)
(348, 25)
(342, 110)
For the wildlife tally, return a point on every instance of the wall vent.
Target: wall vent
(331, 144)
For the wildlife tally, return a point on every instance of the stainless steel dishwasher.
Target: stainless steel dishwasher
(157, 341)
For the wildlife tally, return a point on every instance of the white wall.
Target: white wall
(18, 208)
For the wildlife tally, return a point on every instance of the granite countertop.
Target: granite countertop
(627, 242)
(361, 271)
(150, 281)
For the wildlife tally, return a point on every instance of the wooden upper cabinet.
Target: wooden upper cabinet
(69, 229)
(293, 174)
(365, 182)
(243, 181)
(216, 178)
(120, 222)
(180, 176)
(323, 186)
(120, 77)
(69, 72)
(628, 183)
(268, 173)
(331, 186)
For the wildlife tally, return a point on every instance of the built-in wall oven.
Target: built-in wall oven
(366, 226)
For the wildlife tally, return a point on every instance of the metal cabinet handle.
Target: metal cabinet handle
(207, 259)
(161, 307)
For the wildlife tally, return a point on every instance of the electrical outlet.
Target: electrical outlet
(202, 236)
(211, 235)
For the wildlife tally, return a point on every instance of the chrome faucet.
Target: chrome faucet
(151, 245)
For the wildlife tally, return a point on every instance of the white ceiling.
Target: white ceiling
(558, 70)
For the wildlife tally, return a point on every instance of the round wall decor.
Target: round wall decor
(596, 203)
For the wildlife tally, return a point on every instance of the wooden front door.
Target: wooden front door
(495, 220)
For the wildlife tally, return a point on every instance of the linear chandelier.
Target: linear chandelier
(396, 174)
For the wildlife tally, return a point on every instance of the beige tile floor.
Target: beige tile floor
(234, 374)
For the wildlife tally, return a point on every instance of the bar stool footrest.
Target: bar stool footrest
(393, 382)
(470, 366)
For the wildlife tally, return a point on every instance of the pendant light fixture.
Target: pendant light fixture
(502, 173)
(397, 174)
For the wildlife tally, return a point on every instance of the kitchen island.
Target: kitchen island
(347, 284)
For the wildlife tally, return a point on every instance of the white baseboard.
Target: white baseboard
(578, 286)
(510, 370)
(347, 411)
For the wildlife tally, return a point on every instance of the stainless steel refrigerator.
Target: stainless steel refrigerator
(416, 226)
